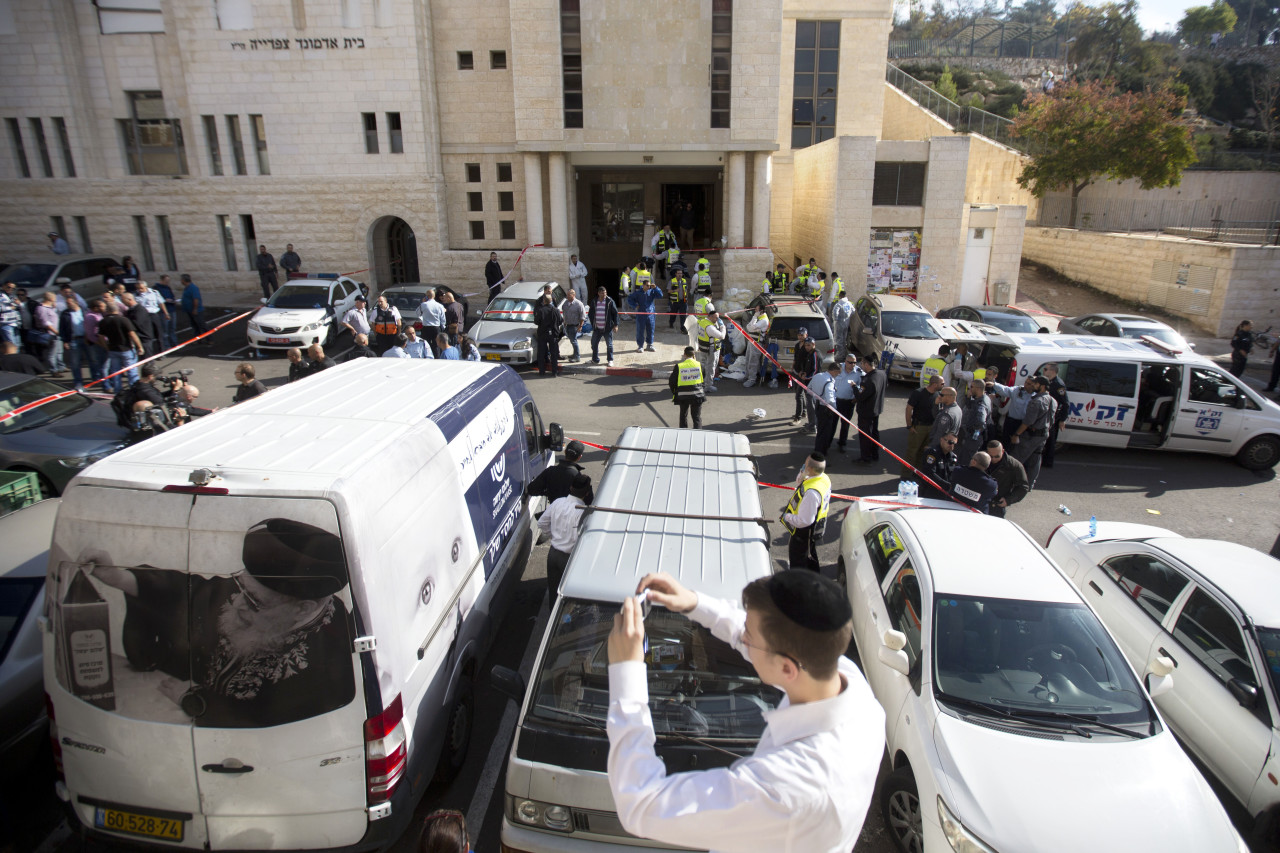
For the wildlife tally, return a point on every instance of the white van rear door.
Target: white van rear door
(116, 664)
(275, 697)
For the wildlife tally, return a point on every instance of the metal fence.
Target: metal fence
(1254, 222)
(963, 119)
(1237, 160)
(958, 46)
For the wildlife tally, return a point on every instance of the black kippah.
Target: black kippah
(810, 600)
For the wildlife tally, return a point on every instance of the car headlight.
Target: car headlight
(254, 327)
(311, 327)
(960, 839)
(523, 343)
(546, 815)
(78, 462)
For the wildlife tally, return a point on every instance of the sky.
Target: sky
(1163, 15)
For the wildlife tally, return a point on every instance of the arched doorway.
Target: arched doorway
(395, 251)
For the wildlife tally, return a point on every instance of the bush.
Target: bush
(946, 86)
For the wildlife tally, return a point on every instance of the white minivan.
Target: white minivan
(1145, 394)
(262, 629)
(706, 700)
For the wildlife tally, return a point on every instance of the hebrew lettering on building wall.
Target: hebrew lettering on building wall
(324, 43)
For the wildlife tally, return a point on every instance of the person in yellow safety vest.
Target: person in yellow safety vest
(703, 265)
(663, 241)
(800, 284)
(805, 517)
(711, 334)
(817, 285)
(678, 296)
(766, 286)
(934, 365)
(624, 284)
(780, 280)
(687, 389)
(837, 286)
(673, 255)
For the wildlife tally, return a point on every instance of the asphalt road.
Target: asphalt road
(1192, 495)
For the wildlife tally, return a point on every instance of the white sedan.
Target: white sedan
(1213, 609)
(304, 311)
(1013, 721)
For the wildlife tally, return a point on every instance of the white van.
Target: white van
(704, 696)
(262, 629)
(1145, 394)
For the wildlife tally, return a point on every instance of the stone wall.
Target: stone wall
(904, 118)
(1195, 185)
(943, 240)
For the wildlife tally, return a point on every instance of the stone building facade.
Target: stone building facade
(405, 140)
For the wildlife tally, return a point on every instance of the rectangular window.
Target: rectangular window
(59, 225)
(133, 16)
(370, 132)
(504, 173)
(19, 152)
(228, 243)
(152, 143)
(42, 146)
(617, 213)
(144, 243)
(236, 141)
(64, 142)
(497, 60)
(477, 230)
(466, 61)
(899, 184)
(166, 242)
(473, 173)
(234, 14)
(82, 228)
(817, 69)
(211, 140)
(250, 239)
(475, 202)
(721, 60)
(571, 61)
(1100, 378)
(258, 128)
(506, 201)
(507, 229)
(395, 133)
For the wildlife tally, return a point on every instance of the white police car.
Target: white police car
(304, 311)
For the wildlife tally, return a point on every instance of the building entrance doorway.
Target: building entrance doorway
(394, 248)
(689, 205)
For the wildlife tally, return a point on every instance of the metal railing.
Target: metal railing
(1236, 221)
(963, 119)
(1237, 160)
(957, 46)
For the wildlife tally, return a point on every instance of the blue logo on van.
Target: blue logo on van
(499, 470)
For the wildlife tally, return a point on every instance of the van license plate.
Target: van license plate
(279, 341)
(492, 356)
(150, 826)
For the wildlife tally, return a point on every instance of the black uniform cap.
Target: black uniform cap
(810, 600)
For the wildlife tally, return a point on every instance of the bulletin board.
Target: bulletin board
(894, 264)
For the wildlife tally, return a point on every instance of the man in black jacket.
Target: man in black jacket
(972, 486)
(1058, 391)
(869, 405)
(550, 329)
(1010, 477)
(938, 465)
(493, 277)
(556, 481)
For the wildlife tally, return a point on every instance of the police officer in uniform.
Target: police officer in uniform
(1058, 391)
(972, 486)
(805, 517)
(1032, 434)
(687, 389)
(938, 465)
(677, 295)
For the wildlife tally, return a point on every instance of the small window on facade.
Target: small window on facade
(506, 201)
(395, 133)
(42, 146)
(19, 151)
(228, 243)
(236, 141)
(259, 130)
(473, 173)
(507, 229)
(370, 133)
(250, 235)
(475, 202)
(477, 230)
(211, 142)
(166, 242)
(466, 61)
(152, 143)
(504, 173)
(64, 142)
(144, 242)
(571, 61)
(721, 60)
(497, 59)
(82, 228)
(899, 184)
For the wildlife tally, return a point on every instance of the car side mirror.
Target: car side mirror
(1043, 330)
(1243, 692)
(555, 437)
(508, 682)
(1240, 400)
(891, 652)
(1160, 677)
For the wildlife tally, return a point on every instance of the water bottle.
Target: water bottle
(1062, 508)
(915, 491)
(903, 490)
(1093, 526)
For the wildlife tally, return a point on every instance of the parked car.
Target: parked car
(24, 725)
(1013, 721)
(1006, 318)
(506, 332)
(1213, 608)
(785, 322)
(407, 298)
(1124, 326)
(56, 440)
(83, 272)
(302, 312)
(883, 320)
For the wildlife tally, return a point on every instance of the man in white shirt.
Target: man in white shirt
(578, 277)
(415, 346)
(757, 327)
(396, 350)
(356, 320)
(824, 385)
(560, 522)
(432, 316)
(809, 782)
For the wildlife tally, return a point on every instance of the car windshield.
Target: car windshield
(28, 275)
(1270, 640)
(16, 595)
(301, 296)
(406, 300)
(1012, 323)
(510, 310)
(787, 328)
(19, 395)
(699, 686)
(911, 325)
(1032, 658)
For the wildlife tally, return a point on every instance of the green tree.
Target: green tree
(946, 85)
(1199, 23)
(1088, 131)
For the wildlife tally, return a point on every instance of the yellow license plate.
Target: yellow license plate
(116, 820)
(492, 356)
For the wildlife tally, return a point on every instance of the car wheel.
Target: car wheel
(842, 574)
(457, 733)
(1261, 453)
(900, 807)
(331, 335)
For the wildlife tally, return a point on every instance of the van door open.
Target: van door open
(1208, 419)
(277, 715)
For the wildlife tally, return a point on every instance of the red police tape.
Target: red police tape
(37, 403)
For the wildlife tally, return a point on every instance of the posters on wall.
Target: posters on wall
(894, 264)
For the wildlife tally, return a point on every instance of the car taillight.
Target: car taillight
(417, 324)
(197, 490)
(384, 751)
(1013, 373)
(53, 737)
(1051, 532)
